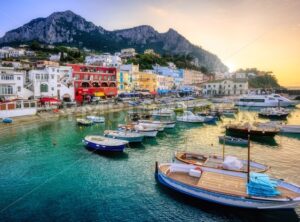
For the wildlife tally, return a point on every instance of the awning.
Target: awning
(50, 100)
(99, 94)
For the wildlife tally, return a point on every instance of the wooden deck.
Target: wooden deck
(223, 183)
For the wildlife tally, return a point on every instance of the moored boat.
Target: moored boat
(284, 128)
(144, 130)
(129, 136)
(160, 123)
(152, 124)
(272, 100)
(274, 113)
(218, 162)
(84, 122)
(246, 129)
(164, 112)
(96, 119)
(226, 187)
(230, 140)
(101, 143)
(189, 117)
(7, 120)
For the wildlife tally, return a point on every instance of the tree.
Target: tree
(35, 46)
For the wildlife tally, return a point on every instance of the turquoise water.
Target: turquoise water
(47, 175)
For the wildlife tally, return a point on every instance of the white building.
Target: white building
(53, 81)
(4, 54)
(128, 53)
(11, 83)
(226, 87)
(106, 60)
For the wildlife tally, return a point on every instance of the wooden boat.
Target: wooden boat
(129, 136)
(135, 115)
(164, 112)
(230, 140)
(274, 113)
(96, 119)
(145, 131)
(215, 161)
(84, 122)
(7, 120)
(247, 129)
(101, 143)
(224, 187)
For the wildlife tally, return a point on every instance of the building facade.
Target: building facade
(11, 83)
(106, 60)
(170, 71)
(164, 84)
(52, 81)
(226, 87)
(145, 81)
(193, 77)
(94, 81)
(124, 81)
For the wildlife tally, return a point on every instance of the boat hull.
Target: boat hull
(273, 116)
(245, 132)
(137, 139)
(228, 200)
(99, 147)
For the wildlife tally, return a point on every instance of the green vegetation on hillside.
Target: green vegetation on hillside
(264, 81)
(146, 61)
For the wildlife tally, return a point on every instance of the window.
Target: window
(44, 88)
(7, 77)
(6, 90)
(19, 88)
(52, 88)
(37, 76)
(77, 76)
(52, 76)
(18, 78)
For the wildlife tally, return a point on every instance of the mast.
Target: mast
(224, 148)
(248, 160)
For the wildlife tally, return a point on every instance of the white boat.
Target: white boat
(129, 136)
(272, 100)
(101, 143)
(152, 124)
(228, 188)
(164, 123)
(190, 117)
(164, 112)
(141, 129)
(96, 119)
(284, 128)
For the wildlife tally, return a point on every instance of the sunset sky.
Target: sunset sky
(243, 33)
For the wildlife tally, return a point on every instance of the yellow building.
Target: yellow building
(145, 81)
(124, 81)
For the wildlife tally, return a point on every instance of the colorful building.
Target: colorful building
(145, 81)
(94, 81)
(124, 81)
(165, 84)
(193, 77)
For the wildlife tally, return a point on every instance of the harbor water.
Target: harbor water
(46, 174)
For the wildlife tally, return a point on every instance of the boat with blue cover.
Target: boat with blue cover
(225, 187)
(131, 137)
(101, 143)
(7, 120)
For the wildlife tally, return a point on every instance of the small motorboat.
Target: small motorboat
(224, 187)
(131, 137)
(165, 112)
(230, 140)
(246, 129)
(96, 119)
(160, 123)
(7, 120)
(152, 124)
(141, 129)
(189, 117)
(284, 128)
(218, 162)
(84, 122)
(274, 113)
(101, 143)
